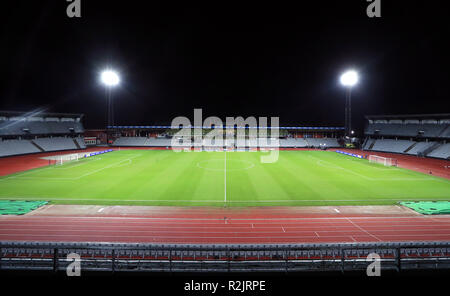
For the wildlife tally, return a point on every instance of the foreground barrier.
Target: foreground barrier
(350, 154)
(223, 258)
(98, 152)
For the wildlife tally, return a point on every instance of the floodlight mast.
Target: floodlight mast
(348, 80)
(110, 79)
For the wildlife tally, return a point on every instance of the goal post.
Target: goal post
(62, 159)
(386, 161)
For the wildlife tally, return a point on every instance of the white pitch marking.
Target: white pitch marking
(74, 178)
(82, 162)
(336, 166)
(225, 176)
(106, 167)
(211, 201)
(363, 230)
(97, 236)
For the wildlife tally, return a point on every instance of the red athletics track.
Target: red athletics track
(437, 167)
(13, 164)
(209, 225)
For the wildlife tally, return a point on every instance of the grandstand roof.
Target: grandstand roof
(410, 116)
(323, 128)
(39, 114)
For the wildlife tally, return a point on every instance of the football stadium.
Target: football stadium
(149, 198)
(142, 188)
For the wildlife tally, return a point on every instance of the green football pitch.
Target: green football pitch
(164, 177)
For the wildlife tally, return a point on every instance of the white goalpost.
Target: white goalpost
(386, 161)
(62, 159)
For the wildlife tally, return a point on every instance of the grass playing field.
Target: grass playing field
(163, 177)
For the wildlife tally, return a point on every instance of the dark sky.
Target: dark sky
(258, 59)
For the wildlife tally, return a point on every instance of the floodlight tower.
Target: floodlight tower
(110, 79)
(348, 80)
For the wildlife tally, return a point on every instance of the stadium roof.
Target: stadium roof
(39, 114)
(410, 116)
(208, 127)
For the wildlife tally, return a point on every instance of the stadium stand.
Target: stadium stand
(368, 144)
(80, 142)
(159, 142)
(130, 141)
(293, 143)
(419, 147)
(398, 146)
(421, 135)
(443, 151)
(288, 137)
(17, 147)
(55, 144)
(21, 127)
(288, 143)
(142, 141)
(22, 133)
(406, 129)
(445, 132)
(317, 142)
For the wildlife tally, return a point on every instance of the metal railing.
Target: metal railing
(223, 258)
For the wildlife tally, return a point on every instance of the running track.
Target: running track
(239, 230)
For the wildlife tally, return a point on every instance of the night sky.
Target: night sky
(258, 59)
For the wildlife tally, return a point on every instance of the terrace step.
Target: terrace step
(76, 144)
(429, 149)
(37, 146)
(443, 131)
(410, 147)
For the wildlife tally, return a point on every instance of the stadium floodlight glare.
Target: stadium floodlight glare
(110, 78)
(349, 78)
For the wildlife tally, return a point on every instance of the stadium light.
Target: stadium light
(110, 78)
(348, 80)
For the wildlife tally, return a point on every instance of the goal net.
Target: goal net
(386, 161)
(62, 159)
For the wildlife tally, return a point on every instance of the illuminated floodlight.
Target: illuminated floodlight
(349, 78)
(110, 78)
